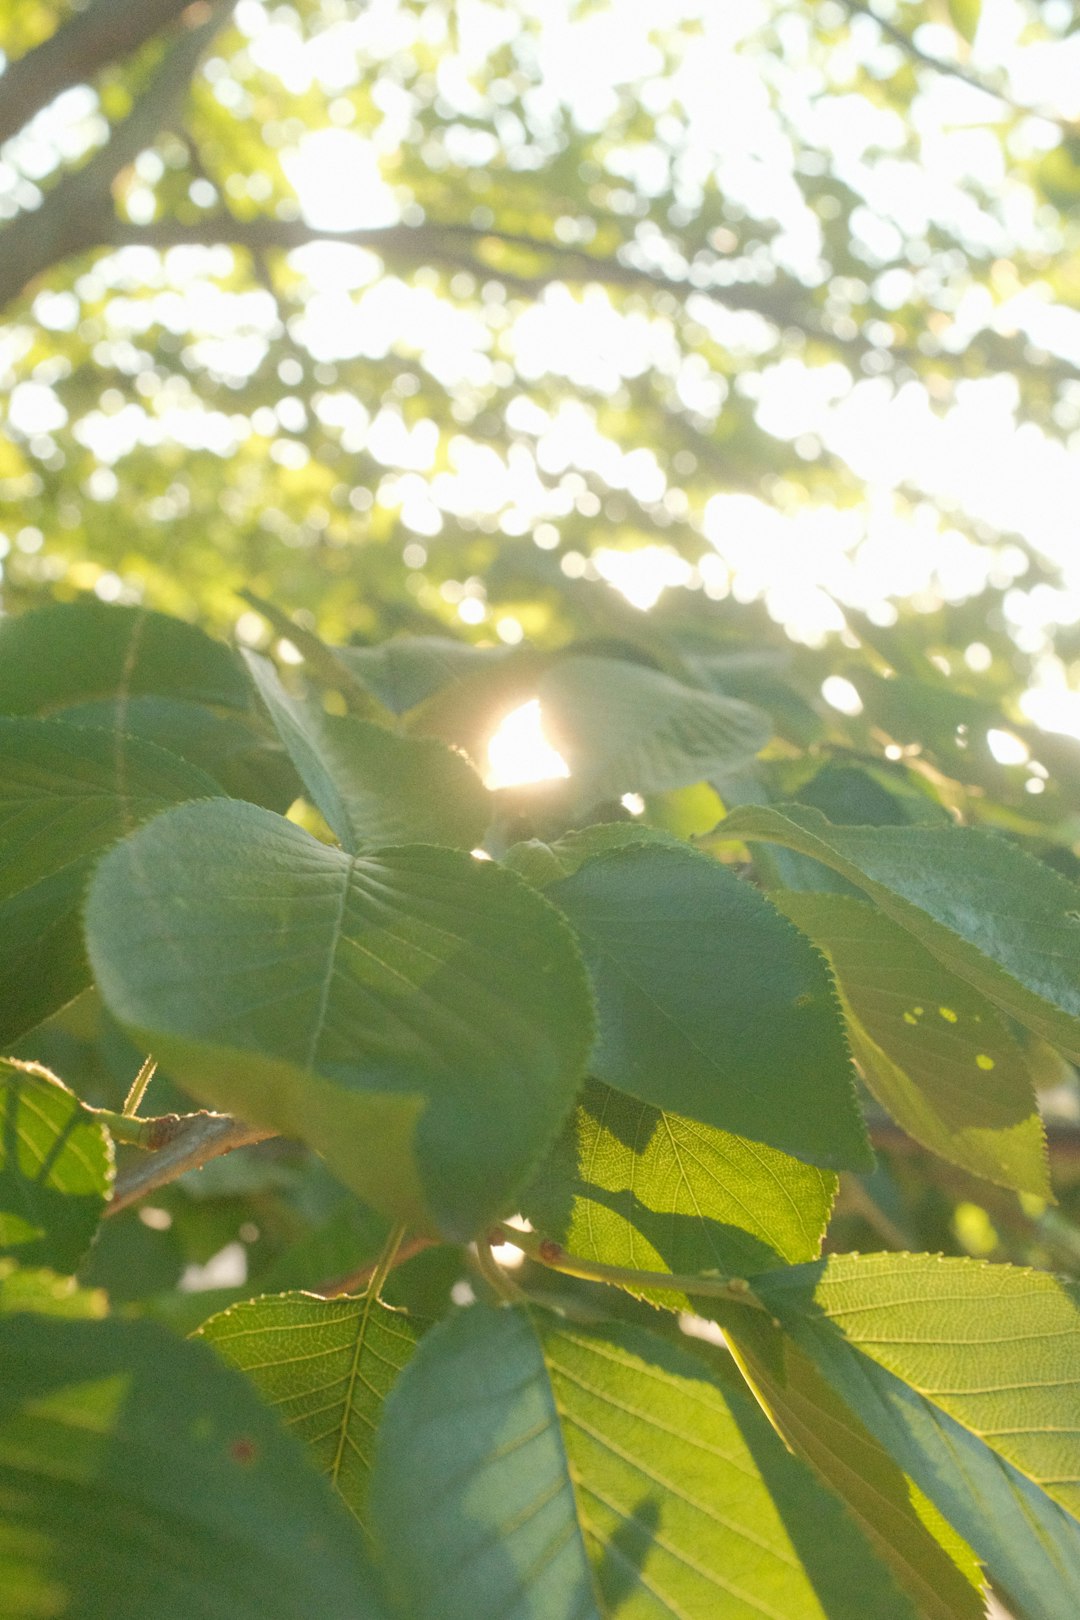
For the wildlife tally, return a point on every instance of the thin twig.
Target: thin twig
(405, 247)
(452, 244)
(496, 1277)
(384, 1264)
(956, 70)
(354, 1282)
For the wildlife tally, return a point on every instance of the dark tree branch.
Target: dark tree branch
(78, 216)
(461, 247)
(438, 243)
(105, 32)
(71, 218)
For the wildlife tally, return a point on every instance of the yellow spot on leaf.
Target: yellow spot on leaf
(947, 1013)
(984, 1061)
(910, 1018)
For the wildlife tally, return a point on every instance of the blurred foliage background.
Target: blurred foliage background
(744, 336)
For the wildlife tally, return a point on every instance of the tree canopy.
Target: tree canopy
(311, 293)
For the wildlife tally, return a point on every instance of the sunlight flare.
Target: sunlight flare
(518, 751)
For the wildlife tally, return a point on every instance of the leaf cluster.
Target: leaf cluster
(629, 1029)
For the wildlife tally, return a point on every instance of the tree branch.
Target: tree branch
(460, 247)
(178, 1143)
(956, 70)
(106, 31)
(71, 218)
(451, 244)
(92, 223)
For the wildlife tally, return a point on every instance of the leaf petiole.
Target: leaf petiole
(138, 1086)
(385, 1262)
(706, 1286)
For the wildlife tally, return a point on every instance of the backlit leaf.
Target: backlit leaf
(927, 1557)
(407, 670)
(542, 864)
(325, 1366)
(624, 728)
(1028, 1543)
(1002, 920)
(996, 1348)
(248, 763)
(531, 1469)
(75, 652)
(23, 1288)
(964, 16)
(630, 1186)
(933, 1051)
(56, 1169)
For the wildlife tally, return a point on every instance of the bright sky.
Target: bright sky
(975, 459)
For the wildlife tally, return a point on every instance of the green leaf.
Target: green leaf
(964, 16)
(543, 864)
(228, 747)
(325, 1366)
(25, 1289)
(350, 1236)
(624, 728)
(471, 1500)
(925, 1554)
(408, 670)
(140, 1477)
(996, 1348)
(65, 795)
(1028, 1543)
(630, 1186)
(56, 1169)
(762, 675)
(861, 795)
(1000, 919)
(72, 652)
(554, 1474)
(373, 787)
(419, 1017)
(932, 1050)
(711, 1004)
